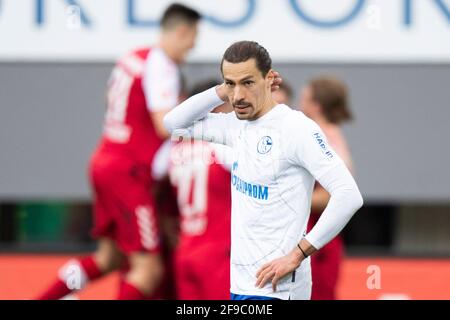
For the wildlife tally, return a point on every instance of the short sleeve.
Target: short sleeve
(312, 151)
(161, 81)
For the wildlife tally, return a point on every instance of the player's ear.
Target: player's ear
(182, 30)
(270, 77)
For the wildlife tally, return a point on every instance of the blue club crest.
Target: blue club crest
(265, 145)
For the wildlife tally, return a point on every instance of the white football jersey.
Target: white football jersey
(277, 159)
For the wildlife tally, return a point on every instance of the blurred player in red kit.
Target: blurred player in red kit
(200, 174)
(324, 99)
(143, 86)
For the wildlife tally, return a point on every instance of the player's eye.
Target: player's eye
(248, 83)
(229, 83)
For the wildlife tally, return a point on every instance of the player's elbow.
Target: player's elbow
(360, 200)
(352, 198)
(357, 200)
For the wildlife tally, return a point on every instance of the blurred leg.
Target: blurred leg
(186, 283)
(214, 272)
(144, 277)
(76, 273)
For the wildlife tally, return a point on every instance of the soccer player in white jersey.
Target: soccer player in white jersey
(278, 155)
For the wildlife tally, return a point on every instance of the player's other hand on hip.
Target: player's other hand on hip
(278, 268)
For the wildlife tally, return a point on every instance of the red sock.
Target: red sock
(130, 292)
(60, 287)
(90, 267)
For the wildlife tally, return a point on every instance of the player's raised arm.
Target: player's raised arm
(192, 118)
(192, 109)
(181, 120)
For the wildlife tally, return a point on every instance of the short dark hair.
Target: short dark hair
(177, 13)
(331, 94)
(244, 50)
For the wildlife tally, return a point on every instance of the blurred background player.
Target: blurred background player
(284, 94)
(200, 174)
(143, 86)
(324, 99)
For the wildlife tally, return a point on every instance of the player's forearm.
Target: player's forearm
(191, 110)
(320, 199)
(345, 200)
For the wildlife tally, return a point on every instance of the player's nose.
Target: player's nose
(238, 94)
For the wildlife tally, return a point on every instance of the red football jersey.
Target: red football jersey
(202, 181)
(128, 127)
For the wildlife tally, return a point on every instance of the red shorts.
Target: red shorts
(325, 267)
(202, 272)
(123, 204)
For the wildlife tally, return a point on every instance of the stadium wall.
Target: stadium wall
(51, 117)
